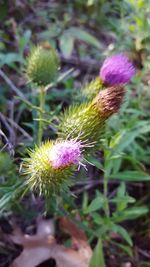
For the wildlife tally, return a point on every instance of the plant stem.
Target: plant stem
(106, 206)
(41, 123)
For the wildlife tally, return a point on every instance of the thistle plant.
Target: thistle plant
(51, 164)
(42, 67)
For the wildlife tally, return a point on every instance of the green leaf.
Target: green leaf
(96, 163)
(97, 218)
(123, 232)
(85, 201)
(129, 214)
(98, 256)
(24, 40)
(122, 198)
(122, 202)
(96, 204)
(125, 248)
(9, 58)
(84, 36)
(66, 42)
(121, 190)
(131, 176)
(122, 140)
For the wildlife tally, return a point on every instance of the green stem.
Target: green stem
(106, 205)
(41, 122)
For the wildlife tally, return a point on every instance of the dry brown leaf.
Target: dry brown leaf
(79, 239)
(42, 246)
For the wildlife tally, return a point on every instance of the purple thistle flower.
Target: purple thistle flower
(117, 69)
(65, 153)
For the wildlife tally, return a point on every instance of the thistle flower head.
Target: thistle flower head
(117, 69)
(52, 164)
(42, 65)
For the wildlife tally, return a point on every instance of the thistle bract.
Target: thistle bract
(42, 65)
(52, 164)
(117, 69)
(86, 121)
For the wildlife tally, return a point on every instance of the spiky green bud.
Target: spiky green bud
(42, 65)
(90, 90)
(87, 120)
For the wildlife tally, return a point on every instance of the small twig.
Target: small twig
(12, 86)
(16, 90)
(11, 111)
(144, 253)
(10, 146)
(86, 187)
(4, 118)
(60, 79)
(83, 64)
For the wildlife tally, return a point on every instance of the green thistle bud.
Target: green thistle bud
(91, 89)
(87, 120)
(42, 65)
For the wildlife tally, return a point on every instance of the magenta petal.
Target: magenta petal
(65, 153)
(117, 69)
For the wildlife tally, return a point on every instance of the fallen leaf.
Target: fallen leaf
(43, 246)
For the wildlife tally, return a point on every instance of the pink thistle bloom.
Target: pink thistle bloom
(65, 153)
(117, 69)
